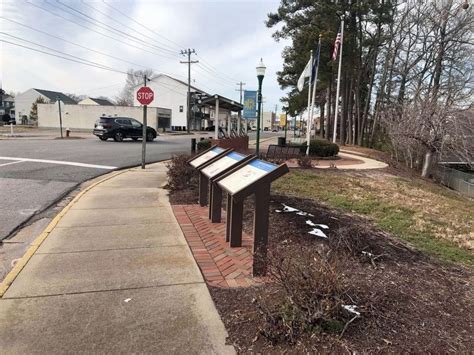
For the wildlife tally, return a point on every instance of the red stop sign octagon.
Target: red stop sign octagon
(145, 95)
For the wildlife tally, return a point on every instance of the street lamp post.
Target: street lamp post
(260, 74)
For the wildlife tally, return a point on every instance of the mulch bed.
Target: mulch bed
(408, 301)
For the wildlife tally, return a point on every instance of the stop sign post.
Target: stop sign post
(145, 96)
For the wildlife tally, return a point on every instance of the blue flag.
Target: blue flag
(315, 64)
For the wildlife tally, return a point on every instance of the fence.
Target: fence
(455, 179)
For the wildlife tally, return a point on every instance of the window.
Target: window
(181, 108)
(136, 124)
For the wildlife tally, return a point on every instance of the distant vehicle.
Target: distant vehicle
(120, 128)
(7, 120)
(274, 130)
(210, 128)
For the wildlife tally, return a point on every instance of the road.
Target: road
(27, 187)
(36, 172)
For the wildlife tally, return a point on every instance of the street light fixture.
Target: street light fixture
(260, 74)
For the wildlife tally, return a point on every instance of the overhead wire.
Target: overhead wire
(102, 24)
(212, 70)
(73, 43)
(179, 46)
(126, 26)
(93, 30)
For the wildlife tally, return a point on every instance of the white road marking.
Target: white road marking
(59, 162)
(13, 162)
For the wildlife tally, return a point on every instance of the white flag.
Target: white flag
(305, 74)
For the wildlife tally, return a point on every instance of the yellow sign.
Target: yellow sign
(282, 120)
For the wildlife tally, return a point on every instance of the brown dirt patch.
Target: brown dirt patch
(408, 301)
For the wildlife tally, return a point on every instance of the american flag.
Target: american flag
(337, 43)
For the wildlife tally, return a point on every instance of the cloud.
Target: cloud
(229, 38)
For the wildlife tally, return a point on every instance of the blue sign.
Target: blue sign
(236, 156)
(250, 104)
(218, 150)
(263, 165)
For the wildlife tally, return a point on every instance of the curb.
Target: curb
(11, 276)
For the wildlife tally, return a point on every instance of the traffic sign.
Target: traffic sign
(145, 95)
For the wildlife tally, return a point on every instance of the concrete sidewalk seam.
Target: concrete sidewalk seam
(102, 291)
(11, 276)
(111, 249)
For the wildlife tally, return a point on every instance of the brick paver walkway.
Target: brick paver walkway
(221, 265)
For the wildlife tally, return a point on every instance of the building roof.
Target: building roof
(181, 82)
(224, 103)
(53, 96)
(7, 97)
(101, 102)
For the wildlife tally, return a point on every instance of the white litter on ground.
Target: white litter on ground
(301, 213)
(366, 253)
(318, 232)
(351, 308)
(310, 223)
(289, 209)
(127, 300)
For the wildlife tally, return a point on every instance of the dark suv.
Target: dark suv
(119, 128)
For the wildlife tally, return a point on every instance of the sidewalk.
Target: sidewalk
(114, 276)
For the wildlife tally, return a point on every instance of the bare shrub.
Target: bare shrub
(181, 175)
(310, 291)
(305, 162)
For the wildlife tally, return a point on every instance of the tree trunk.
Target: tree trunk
(427, 164)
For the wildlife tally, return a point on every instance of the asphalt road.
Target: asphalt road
(27, 187)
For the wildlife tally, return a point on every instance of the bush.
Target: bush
(181, 175)
(305, 162)
(320, 148)
(203, 145)
(309, 296)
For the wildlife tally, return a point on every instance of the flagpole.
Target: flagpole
(309, 98)
(338, 81)
(310, 125)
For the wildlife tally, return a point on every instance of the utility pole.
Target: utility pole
(60, 117)
(188, 52)
(241, 84)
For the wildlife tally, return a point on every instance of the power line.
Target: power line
(79, 60)
(142, 25)
(126, 26)
(94, 22)
(75, 44)
(93, 30)
(209, 68)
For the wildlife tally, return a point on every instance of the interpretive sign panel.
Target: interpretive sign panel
(247, 175)
(222, 164)
(204, 158)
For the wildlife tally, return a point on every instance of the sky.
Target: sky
(228, 36)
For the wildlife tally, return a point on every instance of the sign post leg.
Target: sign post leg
(236, 223)
(216, 203)
(260, 230)
(228, 217)
(203, 187)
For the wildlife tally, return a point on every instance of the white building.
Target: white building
(172, 93)
(83, 117)
(24, 101)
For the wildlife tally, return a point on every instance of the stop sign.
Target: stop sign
(145, 95)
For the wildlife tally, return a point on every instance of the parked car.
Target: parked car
(120, 128)
(7, 120)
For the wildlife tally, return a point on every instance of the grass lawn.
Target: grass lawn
(430, 217)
